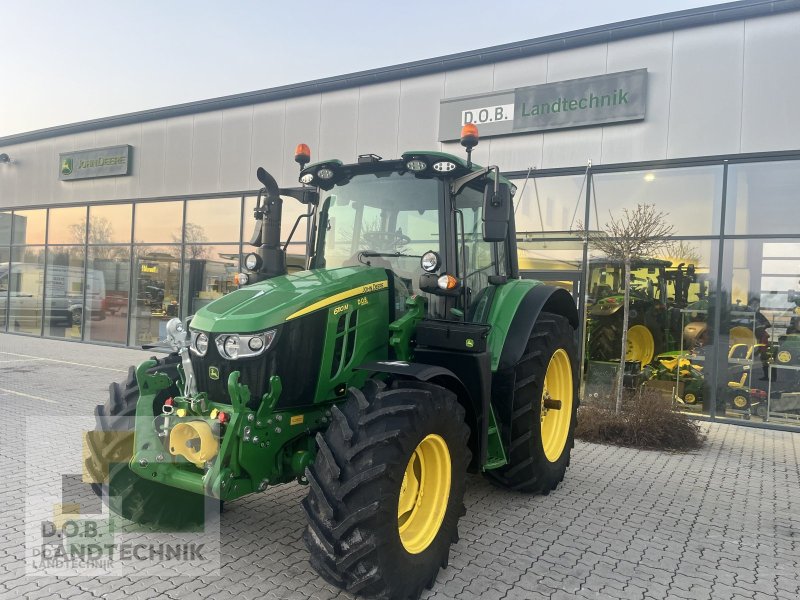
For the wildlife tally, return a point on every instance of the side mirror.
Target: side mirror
(496, 212)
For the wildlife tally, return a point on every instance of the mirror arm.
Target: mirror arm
(291, 233)
(458, 184)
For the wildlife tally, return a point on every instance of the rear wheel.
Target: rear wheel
(387, 488)
(540, 409)
(644, 341)
(110, 450)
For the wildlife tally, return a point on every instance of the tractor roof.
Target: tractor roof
(371, 163)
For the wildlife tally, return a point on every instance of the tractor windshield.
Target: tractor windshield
(386, 220)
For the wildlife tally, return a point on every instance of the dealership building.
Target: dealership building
(110, 227)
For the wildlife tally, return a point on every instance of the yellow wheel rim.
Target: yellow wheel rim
(784, 356)
(741, 335)
(641, 345)
(739, 401)
(424, 494)
(690, 398)
(556, 408)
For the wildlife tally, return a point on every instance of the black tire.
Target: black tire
(605, 340)
(127, 494)
(352, 504)
(519, 405)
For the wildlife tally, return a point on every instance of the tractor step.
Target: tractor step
(496, 454)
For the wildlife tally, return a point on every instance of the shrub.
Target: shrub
(647, 420)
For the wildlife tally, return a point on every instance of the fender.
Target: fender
(413, 370)
(514, 313)
(468, 377)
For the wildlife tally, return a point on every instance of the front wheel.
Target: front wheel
(538, 408)
(387, 488)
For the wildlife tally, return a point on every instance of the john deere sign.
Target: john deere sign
(99, 162)
(611, 98)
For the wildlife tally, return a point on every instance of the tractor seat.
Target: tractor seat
(738, 384)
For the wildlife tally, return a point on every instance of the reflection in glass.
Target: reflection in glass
(538, 253)
(214, 220)
(670, 336)
(549, 204)
(67, 225)
(762, 198)
(63, 292)
(208, 274)
(28, 226)
(5, 228)
(762, 279)
(690, 197)
(110, 269)
(110, 224)
(5, 255)
(158, 222)
(156, 282)
(25, 287)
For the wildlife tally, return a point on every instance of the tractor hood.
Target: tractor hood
(606, 306)
(269, 303)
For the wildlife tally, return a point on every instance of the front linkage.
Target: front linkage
(223, 451)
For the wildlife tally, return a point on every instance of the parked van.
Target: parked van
(22, 287)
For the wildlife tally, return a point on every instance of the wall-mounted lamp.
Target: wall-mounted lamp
(5, 159)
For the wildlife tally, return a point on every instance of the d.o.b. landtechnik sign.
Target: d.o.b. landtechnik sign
(599, 100)
(98, 162)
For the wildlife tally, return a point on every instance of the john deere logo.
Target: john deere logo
(66, 166)
(213, 372)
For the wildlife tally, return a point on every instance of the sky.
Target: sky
(64, 62)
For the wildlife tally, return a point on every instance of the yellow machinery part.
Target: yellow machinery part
(556, 409)
(195, 441)
(424, 494)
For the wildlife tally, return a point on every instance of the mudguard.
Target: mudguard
(514, 311)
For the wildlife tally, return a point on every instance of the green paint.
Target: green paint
(402, 329)
(269, 303)
(506, 300)
(496, 454)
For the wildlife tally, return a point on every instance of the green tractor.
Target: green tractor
(657, 289)
(409, 353)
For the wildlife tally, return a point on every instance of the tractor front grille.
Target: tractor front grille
(295, 356)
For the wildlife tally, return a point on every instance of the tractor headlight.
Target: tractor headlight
(416, 165)
(230, 346)
(430, 261)
(244, 346)
(444, 166)
(199, 343)
(252, 262)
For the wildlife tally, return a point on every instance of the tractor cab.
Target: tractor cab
(440, 226)
(415, 219)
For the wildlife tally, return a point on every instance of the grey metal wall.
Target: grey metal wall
(720, 89)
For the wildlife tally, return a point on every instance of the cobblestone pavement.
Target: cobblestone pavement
(723, 522)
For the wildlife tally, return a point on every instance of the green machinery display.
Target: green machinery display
(408, 353)
(658, 292)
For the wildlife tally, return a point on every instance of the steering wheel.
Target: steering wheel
(386, 239)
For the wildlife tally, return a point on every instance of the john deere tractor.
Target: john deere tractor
(657, 289)
(408, 353)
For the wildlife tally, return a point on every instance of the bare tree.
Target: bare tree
(195, 235)
(634, 235)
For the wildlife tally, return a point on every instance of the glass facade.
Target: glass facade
(715, 307)
(116, 273)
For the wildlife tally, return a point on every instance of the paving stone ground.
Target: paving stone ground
(723, 522)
